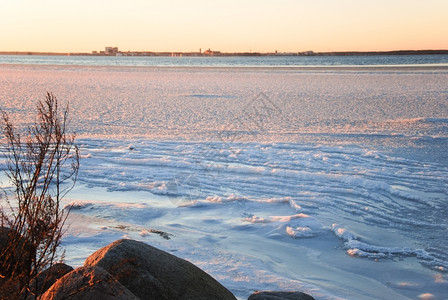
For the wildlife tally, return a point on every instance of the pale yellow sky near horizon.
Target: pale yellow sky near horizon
(175, 25)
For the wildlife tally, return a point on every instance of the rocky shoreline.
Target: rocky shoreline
(129, 269)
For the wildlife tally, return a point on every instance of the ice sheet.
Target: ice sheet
(331, 182)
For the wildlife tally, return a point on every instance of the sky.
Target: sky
(229, 26)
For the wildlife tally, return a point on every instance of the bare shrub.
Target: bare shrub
(42, 166)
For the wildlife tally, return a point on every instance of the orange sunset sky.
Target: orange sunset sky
(230, 26)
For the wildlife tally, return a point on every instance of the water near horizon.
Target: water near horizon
(330, 181)
(232, 61)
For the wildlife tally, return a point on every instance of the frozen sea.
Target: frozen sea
(328, 178)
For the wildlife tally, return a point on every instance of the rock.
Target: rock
(4, 236)
(4, 239)
(150, 273)
(88, 283)
(14, 257)
(273, 295)
(48, 277)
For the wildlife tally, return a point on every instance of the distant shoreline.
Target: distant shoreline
(224, 54)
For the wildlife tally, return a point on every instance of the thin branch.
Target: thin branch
(37, 166)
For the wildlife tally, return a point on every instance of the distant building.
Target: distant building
(111, 51)
(307, 53)
(211, 53)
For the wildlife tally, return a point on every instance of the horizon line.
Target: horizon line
(219, 53)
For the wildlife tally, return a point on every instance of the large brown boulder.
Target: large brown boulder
(150, 273)
(277, 295)
(88, 283)
(45, 279)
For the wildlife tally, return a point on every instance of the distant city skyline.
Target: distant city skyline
(228, 26)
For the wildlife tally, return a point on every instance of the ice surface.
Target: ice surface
(331, 182)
